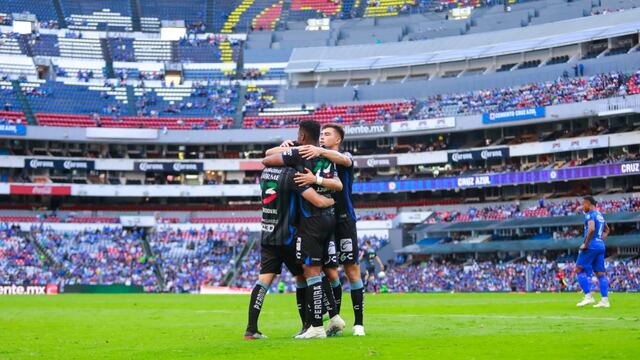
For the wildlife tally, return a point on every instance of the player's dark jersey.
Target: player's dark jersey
(320, 167)
(344, 206)
(370, 255)
(279, 201)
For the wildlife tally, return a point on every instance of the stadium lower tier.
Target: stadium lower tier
(184, 261)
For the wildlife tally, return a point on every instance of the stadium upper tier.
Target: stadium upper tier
(212, 105)
(228, 16)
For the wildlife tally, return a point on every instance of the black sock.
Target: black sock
(357, 299)
(255, 306)
(314, 301)
(336, 288)
(300, 299)
(327, 298)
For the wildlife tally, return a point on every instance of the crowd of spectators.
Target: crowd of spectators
(203, 256)
(20, 263)
(98, 257)
(196, 257)
(533, 274)
(561, 91)
(542, 209)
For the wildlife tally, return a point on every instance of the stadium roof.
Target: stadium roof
(620, 217)
(482, 45)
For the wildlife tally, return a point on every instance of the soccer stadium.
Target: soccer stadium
(227, 179)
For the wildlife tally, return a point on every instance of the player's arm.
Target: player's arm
(308, 178)
(316, 199)
(591, 228)
(606, 232)
(274, 160)
(379, 261)
(287, 144)
(310, 152)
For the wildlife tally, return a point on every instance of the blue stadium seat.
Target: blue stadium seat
(42, 9)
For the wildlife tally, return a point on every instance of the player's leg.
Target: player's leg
(336, 323)
(329, 268)
(289, 258)
(336, 287)
(258, 295)
(309, 250)
(603, 281)
(352, 270)
(348, 256)
(583, 267)
(301, 290)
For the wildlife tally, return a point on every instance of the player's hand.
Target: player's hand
(310, 151)
(287, 143)
(583, 246)
(305, 179)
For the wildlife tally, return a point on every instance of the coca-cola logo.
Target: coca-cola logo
(42, 190)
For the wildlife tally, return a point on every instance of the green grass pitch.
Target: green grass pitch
(399, 326)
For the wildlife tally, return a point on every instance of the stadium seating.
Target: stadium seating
(377, 8)
(44, 45)
(43, 9)
(556, 92)
(134, 122)
(343, 114)
(565, 208)
(197, 256)
(191, 12)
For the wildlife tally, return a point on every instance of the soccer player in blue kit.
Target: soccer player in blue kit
(591, 255)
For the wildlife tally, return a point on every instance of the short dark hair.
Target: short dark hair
(338, 128)
(591, 200)
(311, 128)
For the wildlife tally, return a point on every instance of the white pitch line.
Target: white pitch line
(509, 317)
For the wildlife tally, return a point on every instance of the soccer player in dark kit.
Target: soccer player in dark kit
(346, 235)
(280, 197)
(314, 237)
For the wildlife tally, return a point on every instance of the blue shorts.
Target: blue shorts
(591, 260)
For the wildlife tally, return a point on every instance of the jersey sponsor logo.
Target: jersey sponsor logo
(346, 245)
(332, 248)
(268, 228)
(298, 248)
(271, 190)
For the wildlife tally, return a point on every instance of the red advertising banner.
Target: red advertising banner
(40, 190)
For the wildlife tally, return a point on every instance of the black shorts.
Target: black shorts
(371, 270)
(313, 236)
(347, 242)
(273, 256)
